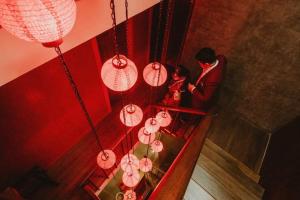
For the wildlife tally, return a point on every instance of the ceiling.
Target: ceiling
(93, 17)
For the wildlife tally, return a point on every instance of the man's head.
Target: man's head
(206, 57)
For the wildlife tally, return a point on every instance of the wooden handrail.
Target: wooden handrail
(178, 175)
(180, 109)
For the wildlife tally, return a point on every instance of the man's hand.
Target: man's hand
(191, 87)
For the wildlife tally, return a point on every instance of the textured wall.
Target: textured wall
(262, 42)
(40, 118)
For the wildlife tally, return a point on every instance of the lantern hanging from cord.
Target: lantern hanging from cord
(131, 115)
(151, 125)
(119, 73)
(157, 146)
(145, 137)
(145, 164)
(106, 159)
(155, 74)
(131, 178)
(164, 118)
(43, 21)
(129, 195)
(129, 162)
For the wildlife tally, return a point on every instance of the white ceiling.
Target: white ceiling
(93, 17)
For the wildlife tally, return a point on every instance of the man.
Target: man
(204, 90)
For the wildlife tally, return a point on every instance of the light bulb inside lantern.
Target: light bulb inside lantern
(130, 195)
(155, 74)
(131, 178)
(145, 137)
(42, 21)
(151, 125)
(164, 118)
(106, 159)
(157, 146)
(131, 115)
(129, 162)
(119, 73)
(145, 165)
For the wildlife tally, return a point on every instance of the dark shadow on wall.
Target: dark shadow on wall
(281, 169)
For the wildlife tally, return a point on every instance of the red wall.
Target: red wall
(40, 118)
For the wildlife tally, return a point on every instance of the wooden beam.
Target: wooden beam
(181, 109)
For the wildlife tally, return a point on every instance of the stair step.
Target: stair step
(228, 162)
(232, 185)
(195, 192)
(211, 184)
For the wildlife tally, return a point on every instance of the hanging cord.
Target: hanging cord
(127, 50)
(80, 100)
(169, 17)
(77, 94)
(155, 57)
(168, 25)
(114, 25)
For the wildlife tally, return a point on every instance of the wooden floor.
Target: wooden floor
(218, 175)
(239, 138)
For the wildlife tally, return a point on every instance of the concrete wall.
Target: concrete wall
(261, 40)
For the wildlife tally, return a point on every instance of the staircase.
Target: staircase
(218, 175)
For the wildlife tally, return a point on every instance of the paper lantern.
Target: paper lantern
(106, 159)
(157, 146)
(151, 125)
(164, 118)
(43, 21)
(145, 164)
(133, 115)
(119, 74)
(145, 137)
(129, 195)
(129, 162)
(131, 178)
(155, 74)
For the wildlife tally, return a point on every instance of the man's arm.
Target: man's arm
(212, 82)
(206, 93)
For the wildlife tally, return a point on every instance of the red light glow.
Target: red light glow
(43, 21)
(145, 137)
(164, 118)
(131, 115)
(155, 74)
(129, 162)
(119, 74)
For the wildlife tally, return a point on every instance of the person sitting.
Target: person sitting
(204, 90)
(176, 87)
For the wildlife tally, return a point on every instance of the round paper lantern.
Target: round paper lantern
(131, 178)
(145, 137)
(106, 159)
(164, 118)
(157, 146)
(133, 115)
(129, 162)
(155, 74)
(129, 195)
(119, 74)
(43, 21)
(145, 164)
(151, 125)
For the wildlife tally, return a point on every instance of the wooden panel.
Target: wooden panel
(211, 184)
(179, 179)
(240, 139)
(231, 185)
(195, 192)
(229, 163)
